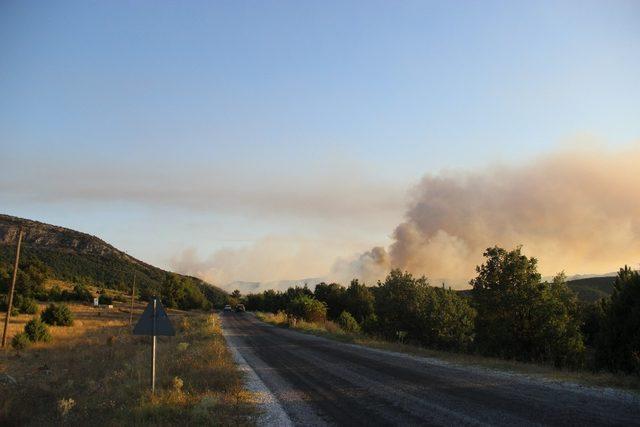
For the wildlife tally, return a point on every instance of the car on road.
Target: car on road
(240, 308)
(227, 307)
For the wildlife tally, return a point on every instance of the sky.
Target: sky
(263, 140)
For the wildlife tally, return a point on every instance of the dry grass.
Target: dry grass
(96, 372)
(333, 331)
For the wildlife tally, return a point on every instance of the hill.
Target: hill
(65, 254)
(592, 289)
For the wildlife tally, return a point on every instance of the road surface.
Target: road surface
(323, 382)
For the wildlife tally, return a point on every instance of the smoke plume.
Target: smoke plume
(575, 211)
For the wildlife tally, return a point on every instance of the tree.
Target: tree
(359, 301)
(428, 315)
(446, 319)
(397, 304)
(333, 296)
(618, 342)
(519, 316)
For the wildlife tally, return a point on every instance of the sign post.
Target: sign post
(154, 321)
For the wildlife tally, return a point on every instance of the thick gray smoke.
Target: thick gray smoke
(575, 211)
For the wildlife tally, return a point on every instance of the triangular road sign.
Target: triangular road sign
(145, 323)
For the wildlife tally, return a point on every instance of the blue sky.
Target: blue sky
(211, 106)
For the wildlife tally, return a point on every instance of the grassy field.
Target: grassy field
(331, 330)
(96, 372)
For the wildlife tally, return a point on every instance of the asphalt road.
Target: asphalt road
(320, 381)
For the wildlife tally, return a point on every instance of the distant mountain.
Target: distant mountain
(79, 257)
(277, 285)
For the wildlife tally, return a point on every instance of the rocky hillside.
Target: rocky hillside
(46, 236)
(82, 258)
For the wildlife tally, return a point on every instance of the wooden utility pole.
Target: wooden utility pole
(133, 293)
(13, 287)
(153, 348)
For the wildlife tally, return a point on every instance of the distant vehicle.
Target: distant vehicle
(227, 307)
(240, 308)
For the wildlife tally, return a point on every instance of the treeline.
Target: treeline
(106, 272)
(509, 313)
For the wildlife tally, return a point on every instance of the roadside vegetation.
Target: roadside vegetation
(95, 372)
(510, 319)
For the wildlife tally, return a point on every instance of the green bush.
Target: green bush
(37, 331)
(58, 315)
(308, 308)
(4, 303)
(28, 306)
(348, 323)
(81, 293)
(20, 341)
(370, 325)
(104, 299)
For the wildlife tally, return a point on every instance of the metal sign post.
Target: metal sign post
(154, 321)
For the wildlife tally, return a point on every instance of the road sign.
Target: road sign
(145, 325)
(154, 321)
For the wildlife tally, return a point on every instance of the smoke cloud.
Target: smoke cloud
(264, 263)
(577, 211)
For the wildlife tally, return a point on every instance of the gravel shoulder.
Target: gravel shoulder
(318, 381)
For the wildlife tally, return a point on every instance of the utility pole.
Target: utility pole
(13, 287)
(133, 293)
(153, 349)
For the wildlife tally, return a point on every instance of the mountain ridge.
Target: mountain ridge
(81, 257)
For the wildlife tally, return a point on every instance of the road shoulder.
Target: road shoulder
(271, 411)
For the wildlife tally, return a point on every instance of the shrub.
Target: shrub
(370, 325)
(37, 331)
(28, 306)
(307, 308)
(348, 323)
(104, 299)
(57, 314)
(81, 293)
(20, 341)
(14, 309)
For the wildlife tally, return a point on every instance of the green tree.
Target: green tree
(333, 295)
(397, 305)
(618, 342)
(428, 315)
(359, 301)
(521, 317)
(447, 319)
